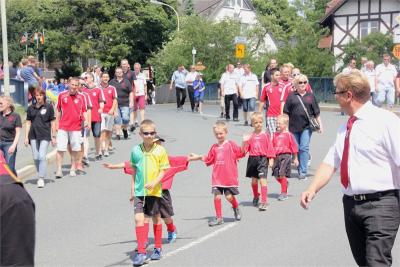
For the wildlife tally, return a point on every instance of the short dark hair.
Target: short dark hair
(272, 71)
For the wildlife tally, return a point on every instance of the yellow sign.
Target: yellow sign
(239, 51)
(396, 51)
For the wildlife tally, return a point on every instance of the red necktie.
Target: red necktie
(344, 166)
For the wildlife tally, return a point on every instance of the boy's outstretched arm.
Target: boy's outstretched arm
(114, 166)
(193, 156)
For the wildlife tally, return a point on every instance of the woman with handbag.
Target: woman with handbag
(304, 118)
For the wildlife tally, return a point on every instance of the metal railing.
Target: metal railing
(18, 91)
(322, 88)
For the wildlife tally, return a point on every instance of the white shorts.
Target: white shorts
(72, 137)
(107, 122)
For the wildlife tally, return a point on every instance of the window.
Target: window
(366, 27)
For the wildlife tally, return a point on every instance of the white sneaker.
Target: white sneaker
(106, 154)
(40, 183)
(72, 173)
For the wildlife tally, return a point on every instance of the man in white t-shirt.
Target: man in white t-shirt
(229, 90)
(370, 72)
(248, 87)
(352, 66)
(385, 76)
(140, 96)
(190, 78)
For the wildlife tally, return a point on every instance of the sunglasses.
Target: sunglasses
(295, 74)
(305, 82)
(149, 133)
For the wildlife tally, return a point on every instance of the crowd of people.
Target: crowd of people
(92, 103)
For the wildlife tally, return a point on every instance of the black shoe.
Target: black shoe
(85, 161)
(235, 119)
(118, 137)
(237, 214)
(246, 123)
(255, 201)
(132, 128)
(136, 124)
(125, 132)
(99, 157)
(221, 115)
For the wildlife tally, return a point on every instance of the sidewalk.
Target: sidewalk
(25, 165)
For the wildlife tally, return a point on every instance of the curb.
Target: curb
(28, 170)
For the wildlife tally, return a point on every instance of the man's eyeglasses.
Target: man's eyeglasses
(339, 92)
(295, 74)
(305, 82)
(149, 133)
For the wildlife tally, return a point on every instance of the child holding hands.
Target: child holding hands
(224, 156)
(261, 156)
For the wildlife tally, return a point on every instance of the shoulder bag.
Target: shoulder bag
(314, 125)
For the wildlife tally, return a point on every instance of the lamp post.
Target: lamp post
(164, 4)
(194, 55)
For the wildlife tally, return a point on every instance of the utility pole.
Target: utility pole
(5, 48)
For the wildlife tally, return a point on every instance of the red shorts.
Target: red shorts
(139, 102)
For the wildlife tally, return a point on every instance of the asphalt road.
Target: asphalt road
(88, 220)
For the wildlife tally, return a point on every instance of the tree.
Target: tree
(372, 46)
(189, 8)
(108, 30)
(213, 42)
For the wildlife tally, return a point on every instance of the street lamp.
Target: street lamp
(193, 55)
(164, 4)
(5, 48)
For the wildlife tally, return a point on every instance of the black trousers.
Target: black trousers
(190, 89)
(180, 101)
(371, 228)
(234, 99)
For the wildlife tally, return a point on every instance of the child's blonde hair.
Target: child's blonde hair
(256, 115)
(284, 118)
(221, 124)
(147, 123)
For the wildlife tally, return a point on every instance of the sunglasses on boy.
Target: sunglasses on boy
(149, 133)
(305, 82)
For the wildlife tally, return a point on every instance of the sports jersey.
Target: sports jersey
(285, 82)
(284, 142)
(260, 145)
(140, 84)
(224, 159)
(177, 164)
(148, 166)
(72, 108)
(272, 93)
(110, 93)
(96, 96)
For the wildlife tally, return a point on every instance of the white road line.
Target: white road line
(197, 241)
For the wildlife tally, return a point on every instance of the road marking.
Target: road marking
(197, 241)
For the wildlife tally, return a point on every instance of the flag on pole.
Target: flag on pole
(24, 39)
(41, 38)
(34, 37)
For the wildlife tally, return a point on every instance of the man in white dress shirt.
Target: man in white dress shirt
(229, 90)
(367, 153)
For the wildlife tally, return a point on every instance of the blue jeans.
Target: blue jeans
(123, 116)
(249, 104)
(10, 159)
(303, 141)
(387, 93)
(39, 151)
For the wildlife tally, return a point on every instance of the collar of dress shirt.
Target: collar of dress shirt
(366, 111)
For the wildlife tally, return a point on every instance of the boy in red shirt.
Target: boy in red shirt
(224, 157)
(261, 155)
(272, 92)
(285, 148)
(177, 164)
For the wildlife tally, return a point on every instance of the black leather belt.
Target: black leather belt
(374, 196)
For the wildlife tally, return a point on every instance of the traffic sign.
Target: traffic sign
(240, 40)
(396, 51)
(239, 51)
